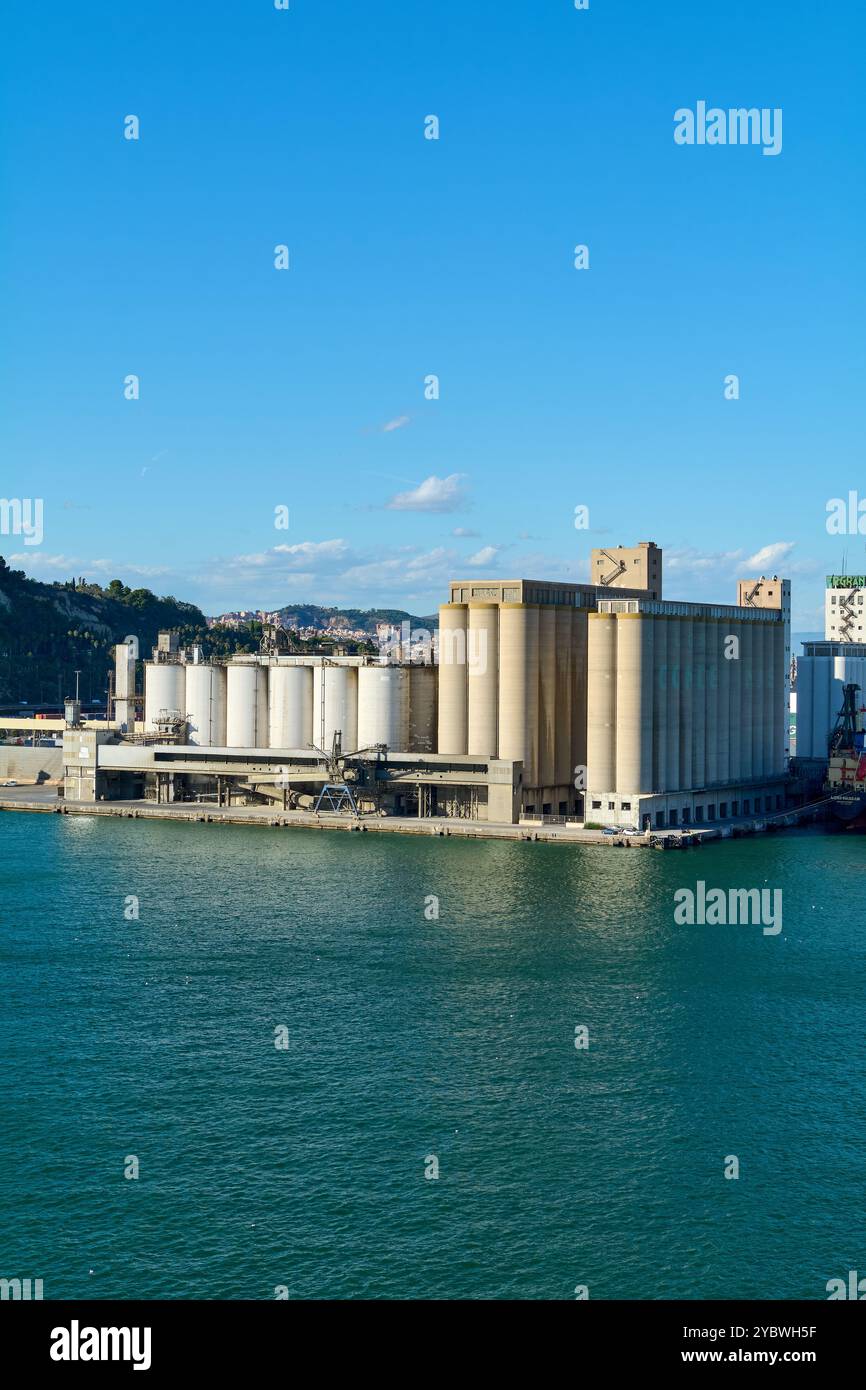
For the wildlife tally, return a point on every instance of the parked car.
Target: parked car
(609, 830)
(10, 782)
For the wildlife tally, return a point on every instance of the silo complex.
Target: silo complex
(683, 698)
(206, 705)
(290, 706)
(247, 705)
(164, 691)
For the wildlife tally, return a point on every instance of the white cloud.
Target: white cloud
(397, 424)
(484, 556)
(769, 555)
(433, 495)
(465, 532)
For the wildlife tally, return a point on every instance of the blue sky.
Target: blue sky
(412, 257)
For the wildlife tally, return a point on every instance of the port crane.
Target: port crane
(337, 792)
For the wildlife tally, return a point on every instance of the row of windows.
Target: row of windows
(751, 806)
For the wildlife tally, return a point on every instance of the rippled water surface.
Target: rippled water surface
(410, 1037)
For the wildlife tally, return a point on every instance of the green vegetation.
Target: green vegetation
(50, 631)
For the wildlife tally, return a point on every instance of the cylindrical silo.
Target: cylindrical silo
(482, 661)
(290, 706)
(672, 716)
(634, 703)
(716, 717)
(758, 696)
(822, 679)
(422, 709)
(246, 705)
(453, 693)
(769, 721)
(660, 702)
(699, 704)
(601, 703)
(578, 679)
(734, 656)
(781, 699)
(518, 687)
(546, 695)
(564, 767)
(687, 702)
(206, 705)
(721, 631)
(805, 676)
(164, 690)
(383, 707)
(335, 706)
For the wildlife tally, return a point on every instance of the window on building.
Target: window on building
(711, 812)
(626, 805)
(723, 809)
(660, 820)
(546, 808)
(673, 818)
(596, 805)
(611, 805)
(563, 808)
(746, 805)
(778, 803)
(687, 815)
(757, 803)
(699, 813)
(735, 808)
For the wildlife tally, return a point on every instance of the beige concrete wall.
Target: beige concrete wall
(27, 765)
(519, 687)
(483, 679)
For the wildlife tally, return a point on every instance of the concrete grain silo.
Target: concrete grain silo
(660, 704)
(687, 676)
(634, 703)
(564, 757)
(712, 660)
(206, 705)
(453, 685)
(546, 697)
(423, 690)
(383, 707)
(483, 678)
(579, 678)
(290, 705)
(164, 689)
(672, 733)
(699, 704)
(335, 706)
(601, 706)
(246, 704)
(518, 687)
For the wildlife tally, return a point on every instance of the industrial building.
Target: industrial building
(844, 608)
(823, 670)
(598, 703)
